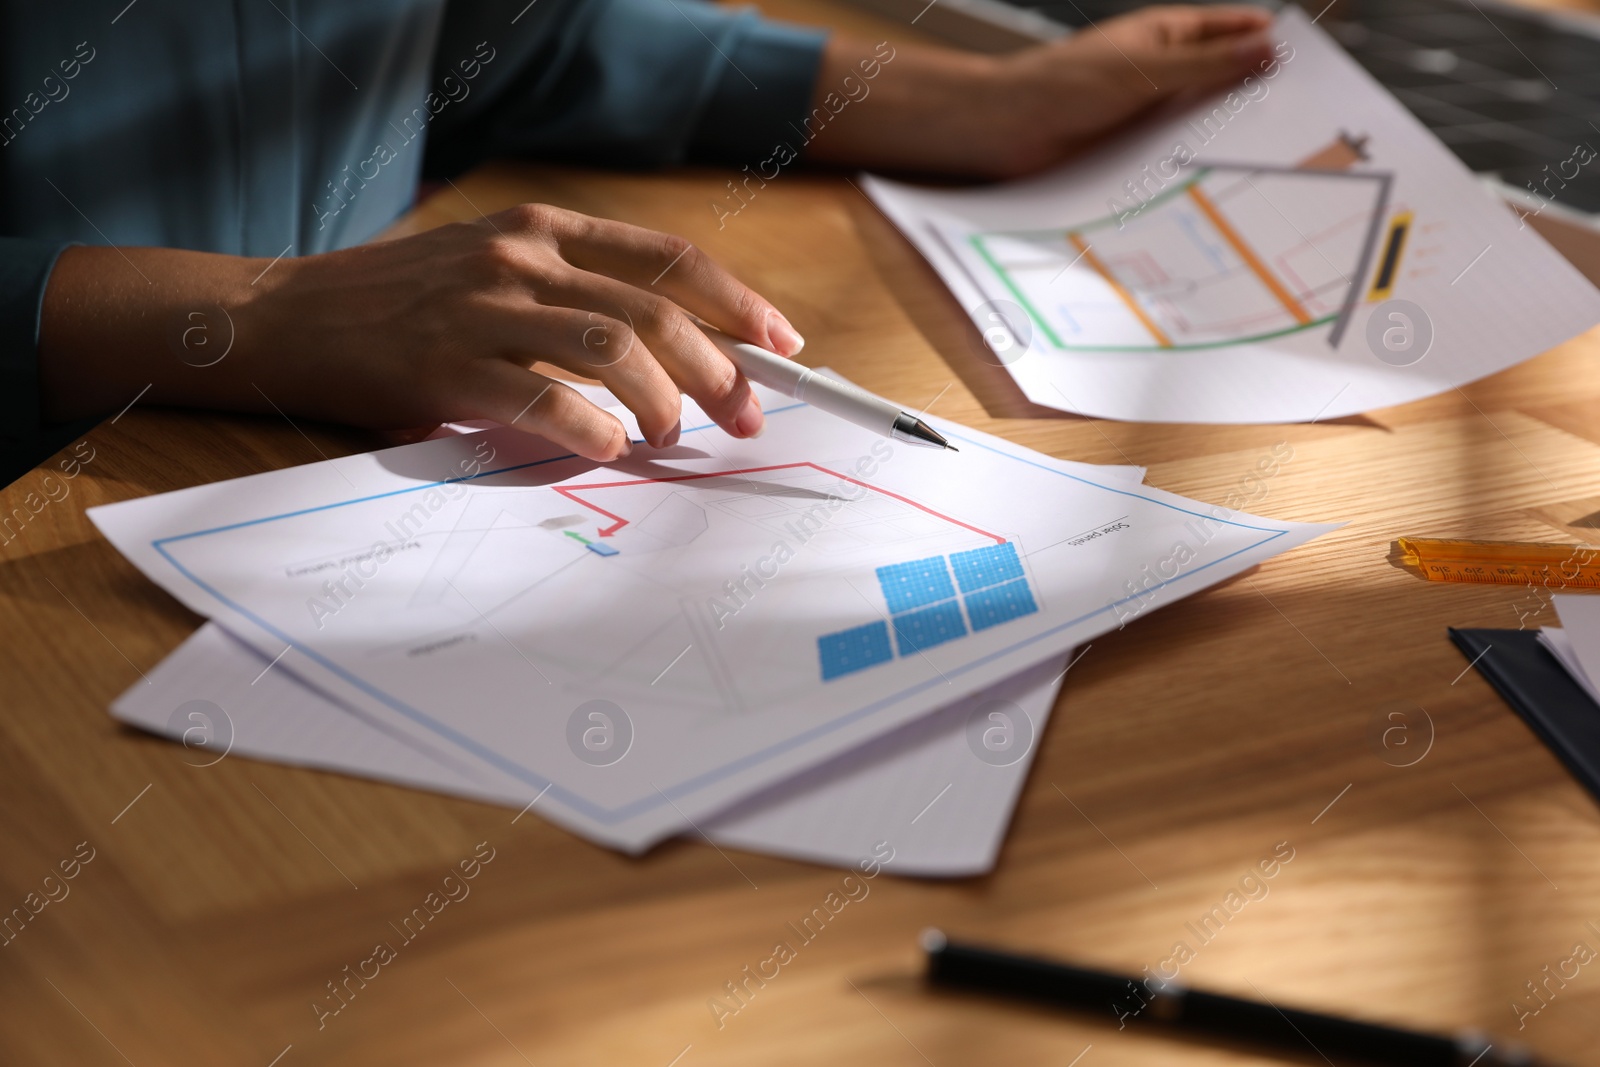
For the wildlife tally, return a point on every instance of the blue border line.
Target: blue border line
(612, 816)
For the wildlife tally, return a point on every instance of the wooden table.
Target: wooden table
(221, 900)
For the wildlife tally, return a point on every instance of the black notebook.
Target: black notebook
(1539, 689)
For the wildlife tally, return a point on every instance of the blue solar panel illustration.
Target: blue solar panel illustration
(983, 567)
(854, 650)
(915, 584)
(1001, 603)
(924, 610)
(917, 630)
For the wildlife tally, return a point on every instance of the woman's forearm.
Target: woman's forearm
(931, 109)
(118, 320)
(906, 107)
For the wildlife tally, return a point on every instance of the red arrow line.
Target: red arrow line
(907, 500)
(606, 531)
(619, 522)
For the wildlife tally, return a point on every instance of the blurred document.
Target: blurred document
(1295, 247)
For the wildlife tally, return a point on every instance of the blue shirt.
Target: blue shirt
(268, 127)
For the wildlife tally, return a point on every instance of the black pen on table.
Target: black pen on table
(1172, 1005)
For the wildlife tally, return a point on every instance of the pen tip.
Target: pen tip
(952, 448)
(932, 940)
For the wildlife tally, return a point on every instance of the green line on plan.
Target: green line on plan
(577, 536)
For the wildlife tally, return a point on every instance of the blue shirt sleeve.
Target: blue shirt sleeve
(641, 83)
(743, 121)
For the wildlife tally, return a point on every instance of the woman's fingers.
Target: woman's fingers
(500, 390)
(646, 282)
(596, 346)
(1199, 46)
(669, 266)
(672, 339)
(1199, 23)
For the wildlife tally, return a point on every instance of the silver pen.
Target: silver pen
(836, 398)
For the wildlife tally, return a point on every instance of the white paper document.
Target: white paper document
(1295, 247)
(939, 789)
(640, 645)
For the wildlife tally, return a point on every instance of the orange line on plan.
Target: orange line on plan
(1127, 298)
(1247, 254)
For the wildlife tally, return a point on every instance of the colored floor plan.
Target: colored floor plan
(1229, 255)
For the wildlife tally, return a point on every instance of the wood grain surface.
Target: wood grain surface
(221, 900)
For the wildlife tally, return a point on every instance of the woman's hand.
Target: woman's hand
(437, 327)
(940, 110)
(1064, 94)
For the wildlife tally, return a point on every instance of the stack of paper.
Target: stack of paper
(806, 644)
